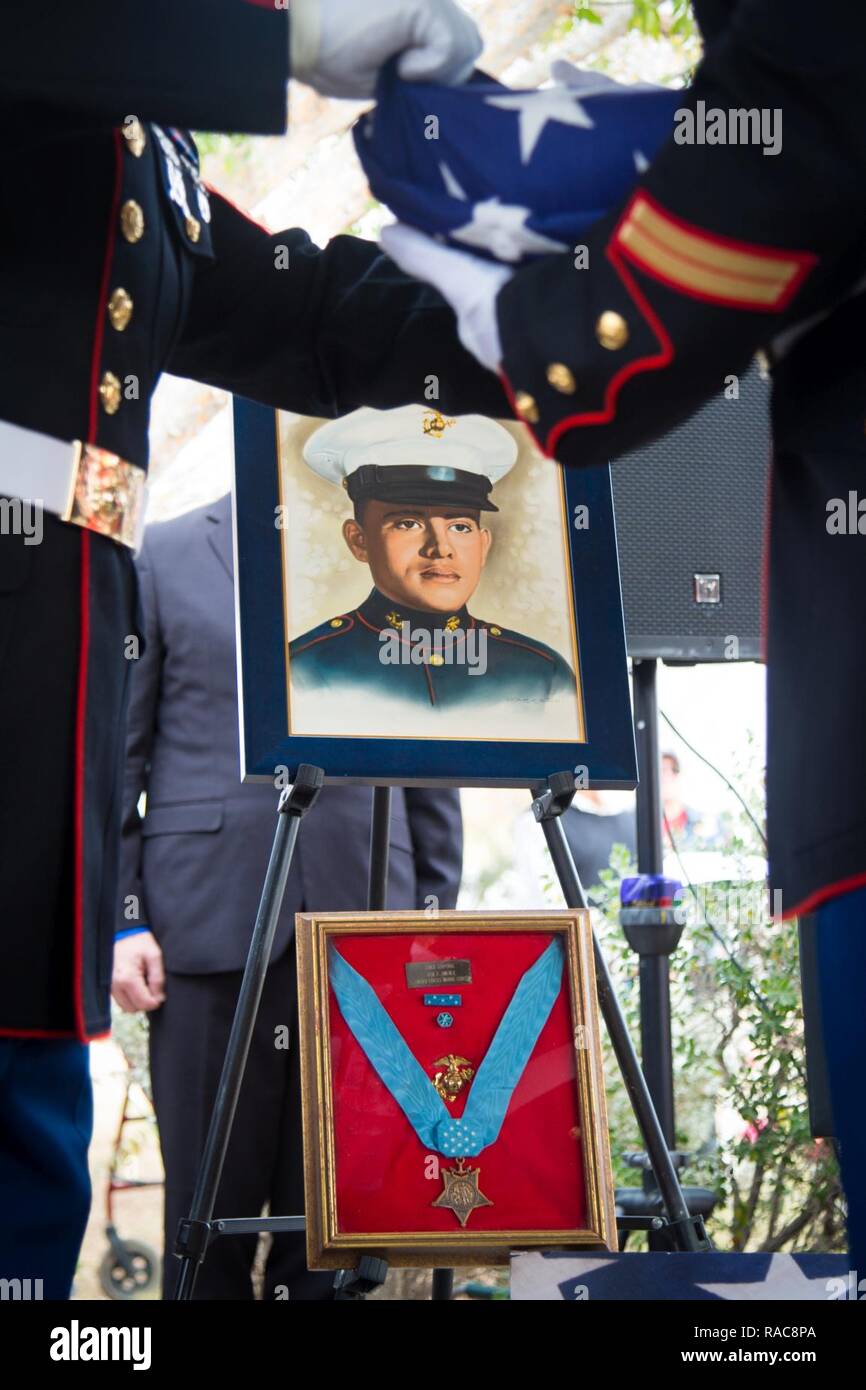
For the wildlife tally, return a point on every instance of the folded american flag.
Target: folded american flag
(510, 175)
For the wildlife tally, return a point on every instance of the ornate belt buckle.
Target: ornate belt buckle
(106, 494)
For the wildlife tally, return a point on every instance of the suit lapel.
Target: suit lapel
(220, 534)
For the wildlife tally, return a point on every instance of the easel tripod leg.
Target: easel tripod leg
(683, 1229)
(194, 1233)
(380, 842)
(443, 1285)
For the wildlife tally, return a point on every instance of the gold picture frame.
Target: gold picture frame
(332, 1246)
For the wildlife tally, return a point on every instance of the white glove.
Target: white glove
(338, 46)
(469, 284)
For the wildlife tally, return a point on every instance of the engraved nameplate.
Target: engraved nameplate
(424, 973)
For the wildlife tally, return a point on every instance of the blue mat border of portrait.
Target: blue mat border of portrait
(609, 756)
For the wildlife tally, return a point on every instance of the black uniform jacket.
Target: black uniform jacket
(722, 249)
(116, 263)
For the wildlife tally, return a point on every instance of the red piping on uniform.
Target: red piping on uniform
(640, 364)
(84, 618)
(99, 331)
(326, 636)
(54, 1037)
(512, 643)
(407, 642)
(727, 301)
(823, 895)
(506, 386)
(215, 193)
(757, 279)
(35, 1033)
(370, 626)
(805, 260)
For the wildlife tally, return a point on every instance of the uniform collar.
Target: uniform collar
(381, 612)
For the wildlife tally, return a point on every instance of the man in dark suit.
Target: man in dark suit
(191, 873)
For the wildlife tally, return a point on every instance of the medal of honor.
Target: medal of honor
(422, 1100)
(461, 1193)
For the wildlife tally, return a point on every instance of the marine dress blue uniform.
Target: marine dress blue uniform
(347, 651)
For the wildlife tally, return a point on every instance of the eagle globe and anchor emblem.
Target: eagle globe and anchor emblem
(460, 1193)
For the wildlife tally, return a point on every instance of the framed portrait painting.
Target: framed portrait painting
(424, 598)
(452, 1087)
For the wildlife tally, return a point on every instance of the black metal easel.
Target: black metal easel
(670, 1214)
(199, 1229)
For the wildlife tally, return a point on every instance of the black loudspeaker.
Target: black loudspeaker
(690, 514)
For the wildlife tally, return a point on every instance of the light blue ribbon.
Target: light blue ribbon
(496, 1078)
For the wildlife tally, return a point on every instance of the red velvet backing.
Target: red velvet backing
(386, 1178)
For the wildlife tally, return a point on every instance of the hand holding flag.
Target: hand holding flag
(469, 284)
(484, 179)
(339, 46)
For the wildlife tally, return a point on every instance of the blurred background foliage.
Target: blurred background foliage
(739, 1059)
(650, 17)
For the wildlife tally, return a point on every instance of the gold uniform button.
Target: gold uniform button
(193, 228)
(561, 378)
(437, 659)
(134, 135)
(109, 393)
(336, 622)
(611, 330)
(526, 407)
(496, 632)
(132, 220)
(119, 309)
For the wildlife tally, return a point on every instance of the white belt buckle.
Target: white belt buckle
(106, 494)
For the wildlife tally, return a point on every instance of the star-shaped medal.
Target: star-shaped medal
(461, 1193)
